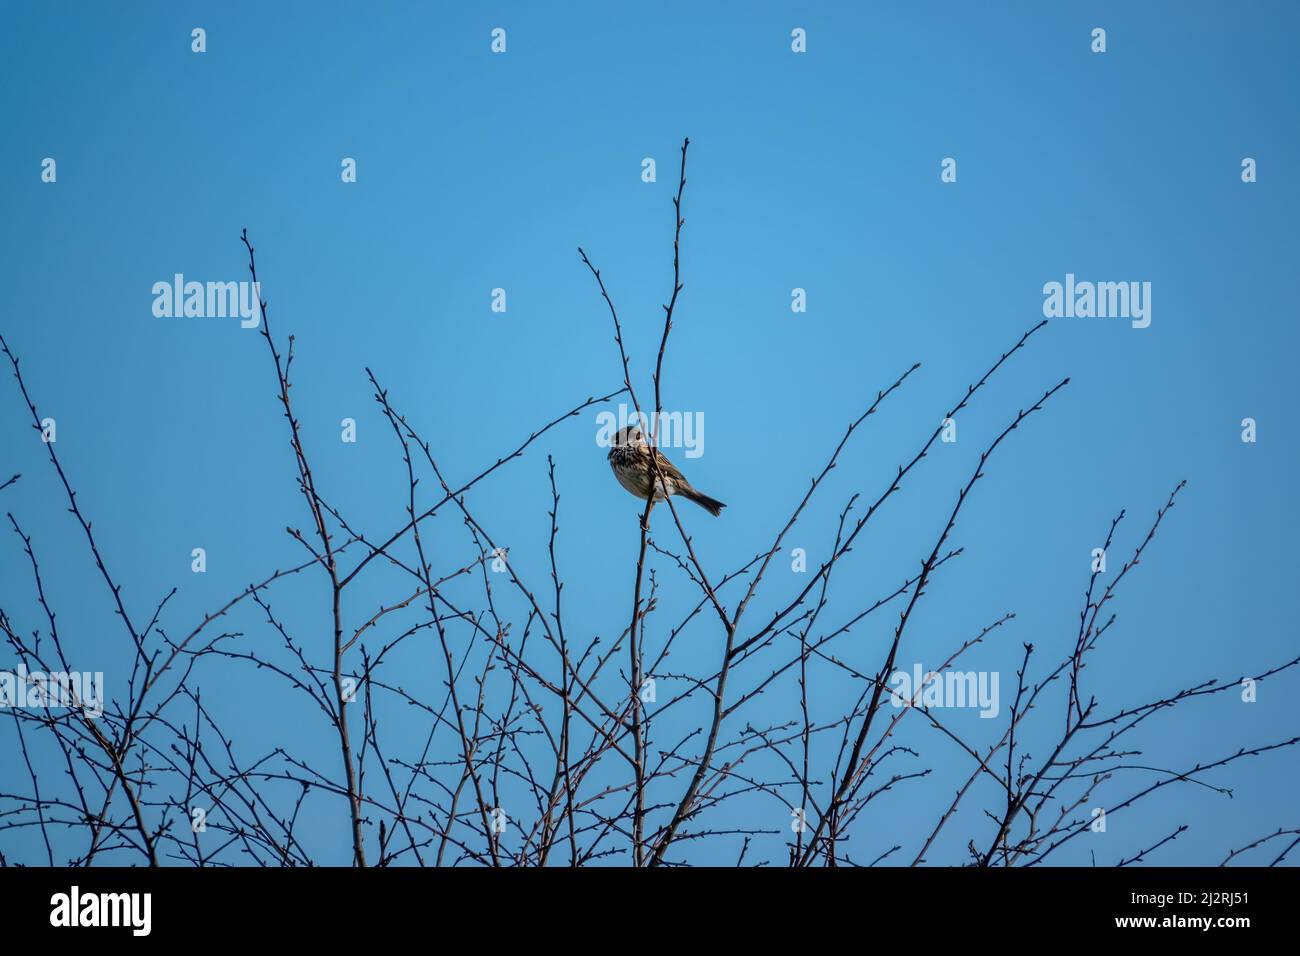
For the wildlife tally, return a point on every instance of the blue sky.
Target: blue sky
(819, 171)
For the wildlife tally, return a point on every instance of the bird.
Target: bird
(629, 456)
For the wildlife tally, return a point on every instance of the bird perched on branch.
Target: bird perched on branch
(630, 457)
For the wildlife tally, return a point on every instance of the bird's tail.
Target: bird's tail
(712, 505)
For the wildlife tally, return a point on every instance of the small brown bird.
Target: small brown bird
(629, 456)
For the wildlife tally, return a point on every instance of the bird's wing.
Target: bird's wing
(666, 468)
